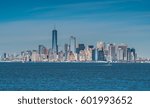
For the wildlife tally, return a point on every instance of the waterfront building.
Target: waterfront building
(129, 56)
(120, 54)
(23, 56)
(133, 54)
(42, 49)
(106, 52)
(94, 55)
(4, 57)
(88, 52)
(122, 51)
(82, 55)
(100, 55)
(112, 52)
(43, 53)
(60, 56)
(73, 44)
(72, 56)
(79, 48)
(66, 50)
(50, 55)
(35, 56)
(26, 55)
(54, 41)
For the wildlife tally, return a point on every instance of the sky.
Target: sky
(24, 24)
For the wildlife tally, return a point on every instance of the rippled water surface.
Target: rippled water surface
(74, 76)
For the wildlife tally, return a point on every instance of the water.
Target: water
(74, 76)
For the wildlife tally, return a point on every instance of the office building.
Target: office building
(54, 41)
(94, 55)
(81, 47)
(35, 56)
(100, 55)
(122, 50)
(112, 52)
(120, 54)
(42, 49)
(73, 44)
(129, 57)
(66, 50)
(133, 54)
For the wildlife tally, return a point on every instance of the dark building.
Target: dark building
(29, 52)
(91, 46)
(54, 41)
(42, 49)
(129, 54)
(133, 53)
(66, 48)
(100, 55)
(80, 47)
(4, 55)
(94, 55)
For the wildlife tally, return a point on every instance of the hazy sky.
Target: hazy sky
(24, 24)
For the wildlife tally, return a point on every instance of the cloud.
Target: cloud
(82, 5)
(101, 10)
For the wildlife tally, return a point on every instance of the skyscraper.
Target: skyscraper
(94, 55)
(123, 49)
(112, 52)
(66, 49)
(42, 49)
(54, 41)
(81, 47)
(120, 54)
(100, 55)
(129, 57)
(133, 53)
(73, 44)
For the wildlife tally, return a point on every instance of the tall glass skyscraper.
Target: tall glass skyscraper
(54, 41)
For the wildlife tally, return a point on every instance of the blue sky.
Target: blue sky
(24, 24)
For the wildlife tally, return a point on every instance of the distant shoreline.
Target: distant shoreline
(100, 62)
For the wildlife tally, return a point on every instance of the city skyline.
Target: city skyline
(26, 24)
(75, 51)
